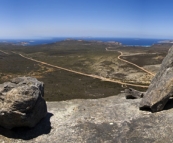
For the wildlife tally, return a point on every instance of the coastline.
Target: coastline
(124, 41)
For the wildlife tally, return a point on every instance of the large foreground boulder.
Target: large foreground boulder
(21, 102)
(161, 87)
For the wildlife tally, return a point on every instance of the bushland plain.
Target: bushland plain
(98, 60)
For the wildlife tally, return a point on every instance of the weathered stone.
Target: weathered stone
(21, 102)
(161, 87)
(133, 94)
(108, 120)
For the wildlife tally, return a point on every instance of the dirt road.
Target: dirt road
(4, 52)
(121, 54)
(84, 74)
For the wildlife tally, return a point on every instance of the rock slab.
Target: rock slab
(21, 102)
(161, 87)
(108, 120)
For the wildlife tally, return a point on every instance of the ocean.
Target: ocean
(124, 41)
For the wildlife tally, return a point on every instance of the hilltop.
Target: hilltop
(111, 119)
(85, 116)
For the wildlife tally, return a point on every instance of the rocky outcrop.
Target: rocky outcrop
(133, 94)
(111, 120)
(21, 102)
(161, 87)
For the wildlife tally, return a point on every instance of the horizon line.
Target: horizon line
(83, 37)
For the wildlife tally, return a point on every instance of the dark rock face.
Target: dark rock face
(161, 87)
(133, 94)
(21, 102)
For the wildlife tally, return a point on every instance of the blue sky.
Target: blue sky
(83, 18)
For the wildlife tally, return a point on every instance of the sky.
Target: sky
(86, 18)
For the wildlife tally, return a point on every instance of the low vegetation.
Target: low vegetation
(82, 56)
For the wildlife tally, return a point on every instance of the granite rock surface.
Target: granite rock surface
(21, 102)
(108, 120)
(161, 87)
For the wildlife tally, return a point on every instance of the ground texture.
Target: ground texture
(112, 119)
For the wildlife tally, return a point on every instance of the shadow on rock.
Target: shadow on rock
(169, 104)
(43, 127)
(145, 109)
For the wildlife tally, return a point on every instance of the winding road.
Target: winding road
(84, 74)
(121, 54)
